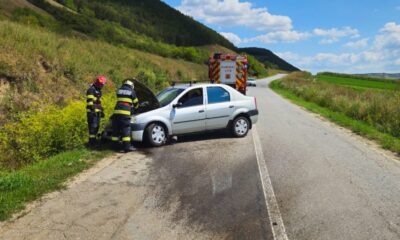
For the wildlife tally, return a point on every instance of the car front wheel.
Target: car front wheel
(240, 126)
(156, 134)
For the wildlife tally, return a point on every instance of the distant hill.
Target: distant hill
(381, 75)
(269, 59)
(152, 18)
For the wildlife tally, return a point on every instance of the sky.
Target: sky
(353, 36)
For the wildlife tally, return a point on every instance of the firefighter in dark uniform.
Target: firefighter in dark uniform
(127, 103)
(94, 108)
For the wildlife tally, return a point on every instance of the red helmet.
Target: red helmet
(100, 81)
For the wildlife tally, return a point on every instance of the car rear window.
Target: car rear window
(217, 95)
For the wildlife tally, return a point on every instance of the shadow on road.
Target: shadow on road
(220, 134)
(211, 182)
(194, 137)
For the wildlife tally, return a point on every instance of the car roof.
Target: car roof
(187, 85)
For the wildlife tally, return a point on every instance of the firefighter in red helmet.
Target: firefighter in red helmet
(94, 108)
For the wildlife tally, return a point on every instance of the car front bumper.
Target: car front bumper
(137, 132)
(137, 136)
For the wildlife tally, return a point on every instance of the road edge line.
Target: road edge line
(274, 214)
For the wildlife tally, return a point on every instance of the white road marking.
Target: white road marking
(275, 218)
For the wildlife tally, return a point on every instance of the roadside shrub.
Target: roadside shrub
(44, 133)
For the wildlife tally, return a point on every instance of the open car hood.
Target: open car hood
(147, 99)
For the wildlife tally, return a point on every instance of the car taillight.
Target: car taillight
(255, 102)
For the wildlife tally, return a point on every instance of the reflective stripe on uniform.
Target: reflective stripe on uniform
(122, 112)
(97, 110)
(92, 136)
(90, 104)
(128, 100)
(135, 100)
(91, 97)
(114, 139)
(88, 110)
(126, 139)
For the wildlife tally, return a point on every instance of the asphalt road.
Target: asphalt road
(328, 184)
(204, 187)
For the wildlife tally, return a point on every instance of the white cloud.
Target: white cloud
(233, 38)
(279, 36)
(337, 59)
(334, 34)
(391, 27)
(235, 13)
(383, 55)
(327, 41)
(362, 43)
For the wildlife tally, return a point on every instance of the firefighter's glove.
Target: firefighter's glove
(102, 115)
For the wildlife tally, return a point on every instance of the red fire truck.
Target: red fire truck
(229, 69)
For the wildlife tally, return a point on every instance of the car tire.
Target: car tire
(240, 127)
(156, 135)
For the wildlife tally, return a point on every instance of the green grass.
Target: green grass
(33, 181)
(359, 83)
(387, 141)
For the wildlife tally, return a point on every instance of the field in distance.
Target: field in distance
(360, 82)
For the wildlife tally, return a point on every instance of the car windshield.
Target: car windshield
(166, 96)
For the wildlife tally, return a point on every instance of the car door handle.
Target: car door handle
(231, 106)
(201, 111)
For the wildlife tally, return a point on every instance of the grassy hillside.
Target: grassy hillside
(150, 26)
(269, 59)
(81, 21)
(38, 65)
(71, 24)
(373, 112)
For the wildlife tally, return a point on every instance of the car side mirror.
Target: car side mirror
(177, 105)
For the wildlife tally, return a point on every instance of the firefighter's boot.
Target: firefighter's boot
(128, 147)
(92, 142)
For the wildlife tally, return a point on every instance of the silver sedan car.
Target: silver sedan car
(186, 109)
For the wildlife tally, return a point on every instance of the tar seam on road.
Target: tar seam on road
(275, 218)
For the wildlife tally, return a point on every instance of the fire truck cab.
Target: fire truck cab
(229, 69)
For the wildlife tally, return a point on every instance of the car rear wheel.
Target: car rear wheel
(156, 134)
(240, 126)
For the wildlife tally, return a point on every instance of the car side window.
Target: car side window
(192, 98)
(217, 95)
